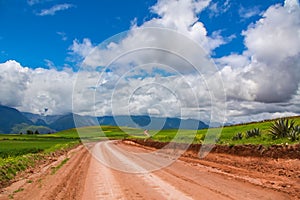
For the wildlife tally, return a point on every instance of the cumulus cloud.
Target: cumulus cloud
(14, 81)
(271, 64)
(50, 89)
(54, 9)
(33, 90)
(179, 16)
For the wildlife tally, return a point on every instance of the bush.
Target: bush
(253, 133)
(238, 136)
(282, 128)
(294, 134)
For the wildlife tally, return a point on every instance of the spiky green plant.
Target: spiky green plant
(281, 128)
(294, 134)
(238, 136)
(253, 133)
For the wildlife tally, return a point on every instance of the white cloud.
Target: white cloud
(34, 2)
(50, 89)
(63, 35)
(247, 13)
(234, 60)
(179, 16)
(54, 9)
(271, 63)
(14, 80)
(218, 8)
(35, 89)
(79, 51)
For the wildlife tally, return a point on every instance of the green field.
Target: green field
(18, 152)
(225, 134)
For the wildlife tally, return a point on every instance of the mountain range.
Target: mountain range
(14, 121)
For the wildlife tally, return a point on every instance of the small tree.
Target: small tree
(29, 132)
(36, 132)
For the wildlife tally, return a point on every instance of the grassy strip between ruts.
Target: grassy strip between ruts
(54, 169)
(10, 166)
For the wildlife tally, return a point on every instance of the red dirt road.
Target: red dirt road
(123, 173)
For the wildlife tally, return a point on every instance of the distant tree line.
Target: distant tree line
(30, 132)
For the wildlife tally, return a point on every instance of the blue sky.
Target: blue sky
(30, 38)
(252, 48)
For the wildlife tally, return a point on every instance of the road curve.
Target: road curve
(119, 171)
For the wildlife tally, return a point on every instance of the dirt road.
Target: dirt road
(123, 173)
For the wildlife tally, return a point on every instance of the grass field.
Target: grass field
(225, 134)
(18, 152)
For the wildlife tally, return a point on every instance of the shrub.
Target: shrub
(294, 134)
(281, 128)
(253, 133)
(238, 136)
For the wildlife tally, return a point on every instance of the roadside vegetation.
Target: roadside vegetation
(267, 133)
(18, 152)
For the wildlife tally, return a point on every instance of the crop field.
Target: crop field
(18, 152)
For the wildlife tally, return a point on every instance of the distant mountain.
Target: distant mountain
(147, 122)
(67, 122)
(144, 122)
(9, 117)
(48, 119)
(11, 120)
(40, 122)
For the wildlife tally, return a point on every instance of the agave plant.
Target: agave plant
(295, 133)
(282, 128)
(238, 136)
(253, 133)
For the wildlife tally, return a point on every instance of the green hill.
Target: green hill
(10, 117)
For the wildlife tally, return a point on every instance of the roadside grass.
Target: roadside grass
(94, 133)
(56, 168)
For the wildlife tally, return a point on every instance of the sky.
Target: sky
(213, 60)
